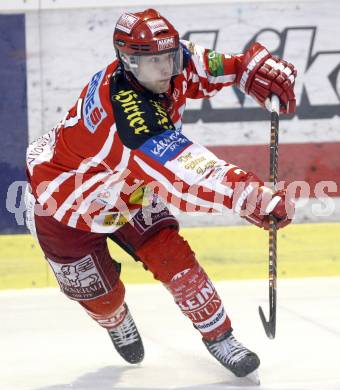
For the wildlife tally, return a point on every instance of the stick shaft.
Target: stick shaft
(273, 178)
(270, 325)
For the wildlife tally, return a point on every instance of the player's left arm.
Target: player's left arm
(256, 73)
(207, 71)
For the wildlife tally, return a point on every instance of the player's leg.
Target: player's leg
(87, 274)
(169, 257)
(155, 241)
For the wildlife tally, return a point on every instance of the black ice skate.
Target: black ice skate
(233, 355)
(127, 341)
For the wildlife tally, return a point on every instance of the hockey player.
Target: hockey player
(108, 169)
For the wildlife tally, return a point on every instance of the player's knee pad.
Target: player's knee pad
(166, 254)
(86, 278)
(93, 281)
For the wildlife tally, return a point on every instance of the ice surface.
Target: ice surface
(48, 342)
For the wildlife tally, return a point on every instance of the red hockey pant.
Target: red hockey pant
(86, 272)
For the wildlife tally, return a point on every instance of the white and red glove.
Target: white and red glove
(260, 74)
(255, 202)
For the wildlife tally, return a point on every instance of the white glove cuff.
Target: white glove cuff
(272, 204)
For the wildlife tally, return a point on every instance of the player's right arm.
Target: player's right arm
(191, 178)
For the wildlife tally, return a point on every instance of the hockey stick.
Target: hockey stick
(270, 326)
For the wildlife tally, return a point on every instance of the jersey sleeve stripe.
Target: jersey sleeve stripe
(70, 122)
(83, 167)
(69, 202)
(169, 186)
(53, 185)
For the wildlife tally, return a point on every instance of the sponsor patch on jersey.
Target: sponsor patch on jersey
(199, 164)
(115, 219)
(148, 217)
(131, 111)
(193, 162)
(142, 196)
(166, 146)
(126, 22)
(93, 111)
(166, 43)
(157, 25)
(215, 63)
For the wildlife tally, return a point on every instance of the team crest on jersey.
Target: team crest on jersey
(93, 111)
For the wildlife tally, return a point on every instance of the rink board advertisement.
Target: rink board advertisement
(65, 48)
(13, 114)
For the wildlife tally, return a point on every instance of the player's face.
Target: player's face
(155, 72)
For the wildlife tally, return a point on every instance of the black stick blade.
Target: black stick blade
(269, 326)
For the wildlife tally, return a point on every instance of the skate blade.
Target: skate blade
(253, 378)
(250, 381)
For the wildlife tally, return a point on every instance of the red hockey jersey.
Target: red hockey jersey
(92, 175)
